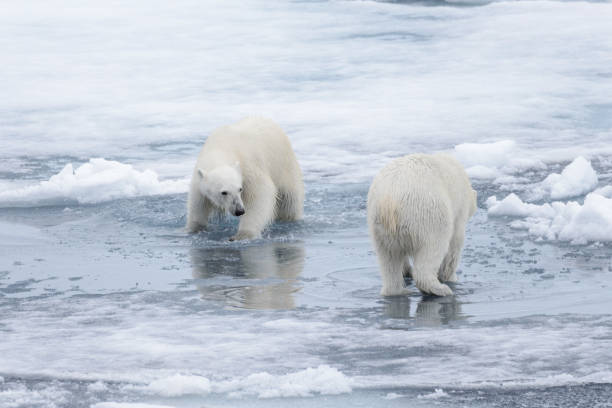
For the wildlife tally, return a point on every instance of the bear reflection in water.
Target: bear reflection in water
(263, 276)
(430, 310)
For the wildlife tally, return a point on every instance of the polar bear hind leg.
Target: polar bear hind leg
(448, 269)
(290, 205)
(427, 262)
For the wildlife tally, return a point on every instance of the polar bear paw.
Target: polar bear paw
(439, 290)
(243, 235)
(394, 291)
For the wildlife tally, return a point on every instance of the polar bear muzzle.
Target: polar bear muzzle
(239, 210)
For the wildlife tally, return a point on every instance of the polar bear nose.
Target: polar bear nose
(239, 212)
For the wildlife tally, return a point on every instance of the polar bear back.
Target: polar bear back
(259, 145)
(419, 196)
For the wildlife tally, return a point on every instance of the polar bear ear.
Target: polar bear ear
(202, 174)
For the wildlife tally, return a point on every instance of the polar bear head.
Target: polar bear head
(223, 187)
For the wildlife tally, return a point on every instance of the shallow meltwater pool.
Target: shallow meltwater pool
(111, 303)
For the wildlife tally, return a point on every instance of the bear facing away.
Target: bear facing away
(418, 206)
(247, 169)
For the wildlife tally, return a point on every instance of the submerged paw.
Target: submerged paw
(243, 235)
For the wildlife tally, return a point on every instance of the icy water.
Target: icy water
(106, 302)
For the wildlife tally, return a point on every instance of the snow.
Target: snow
(491, 154)
(96, 181)
(497, 160)
(97, 386)
(351, 74)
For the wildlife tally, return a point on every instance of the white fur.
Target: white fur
(253, 162)
(418, 206)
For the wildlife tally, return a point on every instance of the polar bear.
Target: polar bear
(247, 169)
(418, 206)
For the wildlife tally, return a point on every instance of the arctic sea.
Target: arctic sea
(106, 302)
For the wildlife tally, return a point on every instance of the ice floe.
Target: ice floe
(571, 221)
(95, 181)
(324, 380)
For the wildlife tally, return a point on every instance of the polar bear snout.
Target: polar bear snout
(239, 211)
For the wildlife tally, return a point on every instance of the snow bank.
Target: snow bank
(571, 221)
(95, 181)
(576, 179)
(321, 380)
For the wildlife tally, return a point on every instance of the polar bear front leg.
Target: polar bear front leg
(259, 211)
(392, 273)
(198, 213)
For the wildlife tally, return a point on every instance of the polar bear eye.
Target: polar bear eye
(240, 190)
(224, 193)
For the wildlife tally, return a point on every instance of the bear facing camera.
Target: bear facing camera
(247, 169)
(418, 206)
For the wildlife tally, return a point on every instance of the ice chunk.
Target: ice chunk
(321, 380)
(571, 221)
(96, 181)
(576, 179)
(605, 191)
(438, 393)
(393, 395)
(178, 385)
(590, 222)
(512, 205)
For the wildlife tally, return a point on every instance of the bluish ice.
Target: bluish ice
(106, 301)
